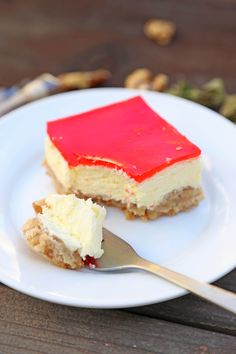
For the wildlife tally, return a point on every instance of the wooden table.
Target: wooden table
(56, 36)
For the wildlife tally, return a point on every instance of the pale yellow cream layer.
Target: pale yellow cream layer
(115, 184)
(77, 222)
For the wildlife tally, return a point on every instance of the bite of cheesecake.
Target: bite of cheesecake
(125, 155)
(66, 230)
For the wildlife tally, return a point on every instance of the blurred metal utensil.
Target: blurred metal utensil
(119, 255)
(48, 84)
(42, 86)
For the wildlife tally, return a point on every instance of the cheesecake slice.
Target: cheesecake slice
(125, 155)
(66, 230)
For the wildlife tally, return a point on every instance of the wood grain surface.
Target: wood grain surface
(29, 325)
(56, 36)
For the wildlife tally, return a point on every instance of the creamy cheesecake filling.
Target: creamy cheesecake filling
(117, 185)
(77, 222)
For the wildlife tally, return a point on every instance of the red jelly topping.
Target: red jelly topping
(90, 262)
(127, 135)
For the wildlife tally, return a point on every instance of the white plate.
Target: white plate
(200, 243)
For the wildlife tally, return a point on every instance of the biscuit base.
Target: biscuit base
(174, 202)
(50, 246)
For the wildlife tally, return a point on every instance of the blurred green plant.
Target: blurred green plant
(212, 94)
(228, 108)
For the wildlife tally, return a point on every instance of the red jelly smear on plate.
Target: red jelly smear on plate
(90, 262)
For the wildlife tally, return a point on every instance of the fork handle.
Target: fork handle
(212, 293)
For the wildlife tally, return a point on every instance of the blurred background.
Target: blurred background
(54, 36)
(186, 48)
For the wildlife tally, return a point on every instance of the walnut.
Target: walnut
(83, 79)
(160, 82)
(139, 78)
(161, 31)
(143, 79)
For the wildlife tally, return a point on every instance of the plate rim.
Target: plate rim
(13, 284)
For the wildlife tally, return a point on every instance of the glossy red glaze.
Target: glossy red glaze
(128, 134)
